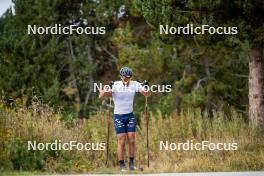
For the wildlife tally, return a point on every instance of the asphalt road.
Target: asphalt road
(261, 173)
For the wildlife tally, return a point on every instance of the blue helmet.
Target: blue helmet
(125, 71)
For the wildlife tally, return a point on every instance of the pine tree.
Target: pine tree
(246, 15)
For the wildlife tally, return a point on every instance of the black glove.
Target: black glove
(145, 83)
(111, 84)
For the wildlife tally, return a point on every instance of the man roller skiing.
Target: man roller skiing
(123, 93)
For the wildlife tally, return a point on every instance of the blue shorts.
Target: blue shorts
(125, 123)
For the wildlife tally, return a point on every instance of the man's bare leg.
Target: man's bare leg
(131, 142)
(131, 148)
(121, 148)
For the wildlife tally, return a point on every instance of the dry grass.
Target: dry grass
(41, 123)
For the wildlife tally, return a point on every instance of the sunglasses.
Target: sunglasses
(126, 79)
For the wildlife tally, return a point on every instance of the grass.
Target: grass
(41, 123)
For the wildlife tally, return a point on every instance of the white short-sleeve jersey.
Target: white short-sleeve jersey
(123, 96)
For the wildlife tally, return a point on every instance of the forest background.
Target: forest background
(46, 82)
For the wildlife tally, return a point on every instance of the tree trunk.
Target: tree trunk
(256, 102)
(90, 57)
(209, 91)
(77, 97)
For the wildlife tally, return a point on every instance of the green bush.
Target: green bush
(24, 159)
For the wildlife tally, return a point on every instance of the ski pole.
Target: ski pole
(147, 125)
(108, 125)
(147, 121)
(108, 131)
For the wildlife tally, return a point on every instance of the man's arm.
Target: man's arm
(106, 92)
